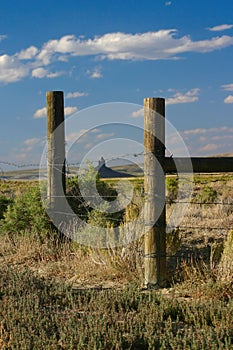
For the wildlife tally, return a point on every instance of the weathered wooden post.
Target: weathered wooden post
(56, 148)
(154, 184)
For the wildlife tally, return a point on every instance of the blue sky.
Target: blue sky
(116, 51)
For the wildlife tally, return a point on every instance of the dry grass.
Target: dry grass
(66, 296)
(206, 228)
(67, 262)
(208, 223)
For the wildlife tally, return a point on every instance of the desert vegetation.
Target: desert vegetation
(62, 295)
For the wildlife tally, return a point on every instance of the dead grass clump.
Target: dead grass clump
(69, 262)
(198, 281)
(225, 267)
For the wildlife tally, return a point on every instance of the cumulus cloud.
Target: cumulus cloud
(209, 141)
(207, 131)
(229, 99)
(209, 147)
(28, 54)
(188, 97)
(95, 74)
(75, 94)
(39, 73)
(162, 44)
(42, 112)
(138, 113)
(202, 46)
(168, 3)
(11, 69)
(159, 45)
(227, 87)
(88, 146)
(54, 74)
(105, 135)
(70, 110)
(220, 27)
(32, 141)
(44, 73)
(77, 136)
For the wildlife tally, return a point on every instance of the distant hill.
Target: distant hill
(126, 170)
(123, 170)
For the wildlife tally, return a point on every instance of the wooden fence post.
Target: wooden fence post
(56, 148)
(154, 184)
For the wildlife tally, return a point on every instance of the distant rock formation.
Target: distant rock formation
(107, 173)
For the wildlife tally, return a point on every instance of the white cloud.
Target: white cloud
(229, 99)
(162, 44)
(88, 146)
(95, 74)
(40, 113)
(188, 97)
(2, 37)
(63, 58)
(70, 110)
(138, 113)
(39, 73)
(227, 87)
(21, 157)
(159, 45)
(96, 130)
(32, 141)
(44, 73)
(75, 94)
(33, 144)
(202, 46)
(77, 136)
(11, 69)
(221, 27)
(209, 141)
(209, 147)
(28, 54)
(168, 3)
(104, 136)
(207, 131)
(222, 137)
(52, 75)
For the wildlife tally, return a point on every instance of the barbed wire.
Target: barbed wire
(19, 164)
(69, 164)
(135, 155)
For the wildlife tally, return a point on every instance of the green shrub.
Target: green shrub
(88, 208)
(4, 202)
(207, 195)
(26, 213)
(172, 189)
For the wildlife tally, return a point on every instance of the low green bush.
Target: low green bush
(4, 202)
(26, 213)
(85, 203)
(172, 189)
(207, 195)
